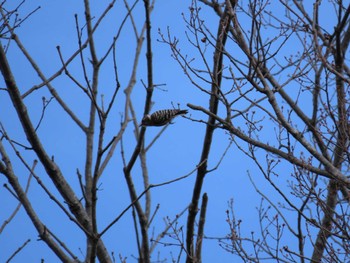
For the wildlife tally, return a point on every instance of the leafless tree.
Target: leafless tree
(279, 86)
(79, 204)
(276, 77)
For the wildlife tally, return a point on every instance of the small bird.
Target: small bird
(162, 117)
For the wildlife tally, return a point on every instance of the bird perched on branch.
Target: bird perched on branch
(161, 117)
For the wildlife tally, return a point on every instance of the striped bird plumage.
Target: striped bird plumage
(161, 117)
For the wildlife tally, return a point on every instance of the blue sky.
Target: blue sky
(175, 154)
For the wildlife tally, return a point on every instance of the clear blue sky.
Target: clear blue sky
(176, 153)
